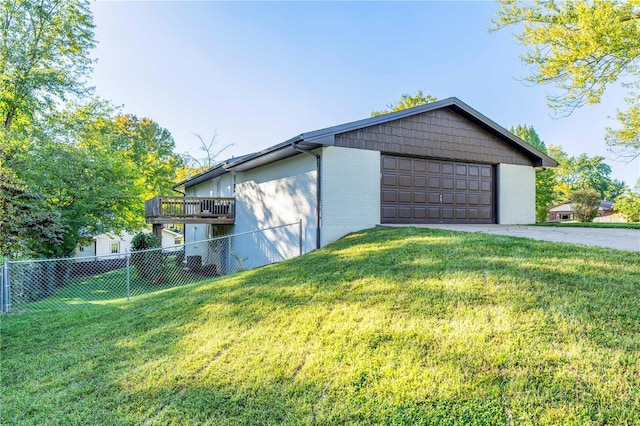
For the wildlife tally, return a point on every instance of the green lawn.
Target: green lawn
(388, 326)
(629, 225)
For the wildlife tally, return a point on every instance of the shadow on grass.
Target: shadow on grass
(400, 326)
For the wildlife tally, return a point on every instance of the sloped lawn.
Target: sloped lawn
(388, 326)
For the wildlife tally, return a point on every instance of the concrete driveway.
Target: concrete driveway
(621, 239)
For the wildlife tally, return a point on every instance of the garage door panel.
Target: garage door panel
(447, 183)
(419, 166)
(434, 198)
(389, 180)
(404, 212)
(415, 190)
(405, 181)
(461, 198)
(389, 163)
(404, 164)
(389, 196)
(405, 196)
(389, 212)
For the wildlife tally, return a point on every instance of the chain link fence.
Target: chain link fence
(34, 285)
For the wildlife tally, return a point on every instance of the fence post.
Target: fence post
(128, 257)
(300, 236)
(228, 271)
(6, 304)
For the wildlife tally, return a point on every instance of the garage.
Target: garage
(425, 190)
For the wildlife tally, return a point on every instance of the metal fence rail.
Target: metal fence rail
(33, 285)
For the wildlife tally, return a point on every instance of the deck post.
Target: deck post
(157, 229)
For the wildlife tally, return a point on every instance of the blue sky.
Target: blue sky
(258, 73)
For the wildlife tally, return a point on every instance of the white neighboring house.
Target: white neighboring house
(443, 162)
(116, 246)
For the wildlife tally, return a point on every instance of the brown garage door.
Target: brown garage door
(417, 190)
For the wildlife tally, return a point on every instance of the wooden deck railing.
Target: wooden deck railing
(190, 210)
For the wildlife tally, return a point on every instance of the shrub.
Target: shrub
(148, 262)
(628, 206)
(585, 204)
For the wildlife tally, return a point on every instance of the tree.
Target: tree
(585, 204)
(150, 148)
(193, 165)
(583, 172)
(582, 47)
(45, 50)
(628, 206)
(406, 101)
(545, 179)
(26, 225)
(91, 191)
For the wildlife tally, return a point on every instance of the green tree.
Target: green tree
(90, 191)
(628, 206)
(27, 227)
(45, 50)
(545, 179)
(582, 47)
(142, 141)
(406, 101)
(583, 172)
(585, 204)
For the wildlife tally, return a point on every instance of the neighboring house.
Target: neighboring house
(442, 162)
(113, 245)
(564, 211)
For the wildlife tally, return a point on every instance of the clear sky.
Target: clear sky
(258, 73)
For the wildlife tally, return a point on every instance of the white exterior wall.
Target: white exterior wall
(350, 191)
(516, 194)
(276, 194)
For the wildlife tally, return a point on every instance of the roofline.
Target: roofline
(326, 137)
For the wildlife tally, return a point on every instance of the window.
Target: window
(115, 247)
(81, 249)
(234, 183)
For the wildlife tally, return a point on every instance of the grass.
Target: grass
(627, 225)
(109, 286)
(387, 326)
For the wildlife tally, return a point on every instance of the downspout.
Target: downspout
(318, 185)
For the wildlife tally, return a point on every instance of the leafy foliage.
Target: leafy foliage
(44, 55)
(629, 206)
(406, 101)
(27, 226)
(582, 47)
(545, 179)
(583, 172)
(148, 262)
(585, 204)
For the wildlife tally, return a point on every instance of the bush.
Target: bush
(628, 206)
(148, 262)
(585, 204)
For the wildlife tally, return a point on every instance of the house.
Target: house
(564, 211)
(443, 162)
(117, 245)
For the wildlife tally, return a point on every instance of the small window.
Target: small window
(234, 183)
(81, 249)
(115, 247)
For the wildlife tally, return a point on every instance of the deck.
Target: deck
(214, 210)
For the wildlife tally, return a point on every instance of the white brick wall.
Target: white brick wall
(516, 194)
(350, 191)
